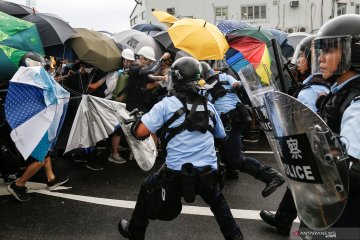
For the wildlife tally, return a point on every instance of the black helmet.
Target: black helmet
(303, 47)
(185, 74)
(31, 59)
(207, 71)
(340, 35)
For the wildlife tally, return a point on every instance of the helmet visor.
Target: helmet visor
(331, 55)
(301, 55)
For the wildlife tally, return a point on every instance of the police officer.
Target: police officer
(337, 57)
(308, 92)
(189, 123)
(235, 118)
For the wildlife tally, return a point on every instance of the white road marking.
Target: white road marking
(191, 210)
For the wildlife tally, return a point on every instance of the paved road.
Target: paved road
(94, 202)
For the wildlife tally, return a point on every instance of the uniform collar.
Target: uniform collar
(335, 88)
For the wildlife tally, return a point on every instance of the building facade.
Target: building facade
(287, 15)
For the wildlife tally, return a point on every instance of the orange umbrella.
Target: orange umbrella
(199, 38)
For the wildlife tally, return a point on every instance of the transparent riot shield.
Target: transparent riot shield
(312, 158)
(255, 89)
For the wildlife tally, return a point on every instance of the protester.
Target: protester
(119, 94)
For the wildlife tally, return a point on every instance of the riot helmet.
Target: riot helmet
(302, 55)
(336, 47)
(207, 72)
(184, 75)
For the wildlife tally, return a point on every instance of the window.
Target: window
(133, 21)
(357, 9)
(221, 13)
(341, 9)
(253, 12)
(143, 15)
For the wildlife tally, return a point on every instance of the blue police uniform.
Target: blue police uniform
(350, 122)
(185, 147)
(308, 96)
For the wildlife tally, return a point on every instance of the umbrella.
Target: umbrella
(54, 32)
(280, 36)
(295, 38)
(164, 17)
(96, 49)
(97, 118)
(14, 9)
(253, 45)
(199, 38)
(148, 28)
(134, 40)
(164, 39)
(17, 37)
(35, 107)
(227, 26)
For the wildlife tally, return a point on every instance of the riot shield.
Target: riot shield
(312, 158)
(255, 89)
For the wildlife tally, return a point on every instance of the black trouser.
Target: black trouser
(287, 206)
(212, 196)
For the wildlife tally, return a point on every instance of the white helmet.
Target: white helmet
(128, 54)
(147, 52)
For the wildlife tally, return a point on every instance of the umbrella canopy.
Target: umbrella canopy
(148, 27)
(96, 49)
(164, 17)
(295, 38)
(17, 37)
(35, 108)
(228, 26)
(279, 35)
(200, 39)
(97, 118)
(14, 9)
(164, 39)
(53, 30)
(135, 40)
(256, 53)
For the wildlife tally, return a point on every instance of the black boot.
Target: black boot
(123, 228)
(273, 180)
(278, 220)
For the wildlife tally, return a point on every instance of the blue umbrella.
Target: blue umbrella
(279, 35)
(35, 108)
(227, 26)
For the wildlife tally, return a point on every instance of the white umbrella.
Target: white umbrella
(97, 118)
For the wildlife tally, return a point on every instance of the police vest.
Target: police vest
(218, 91)
(334, 105)
(196, 118)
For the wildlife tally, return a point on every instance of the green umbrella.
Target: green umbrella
(96, 49)
(17, 37)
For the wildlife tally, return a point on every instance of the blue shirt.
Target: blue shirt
(195, 147)
(308, 96)
(229, 101)
(350, 130)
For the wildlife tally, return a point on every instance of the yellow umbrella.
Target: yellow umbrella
(164, 17)
(199, 38)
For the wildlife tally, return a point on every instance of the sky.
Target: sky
(99, 15)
